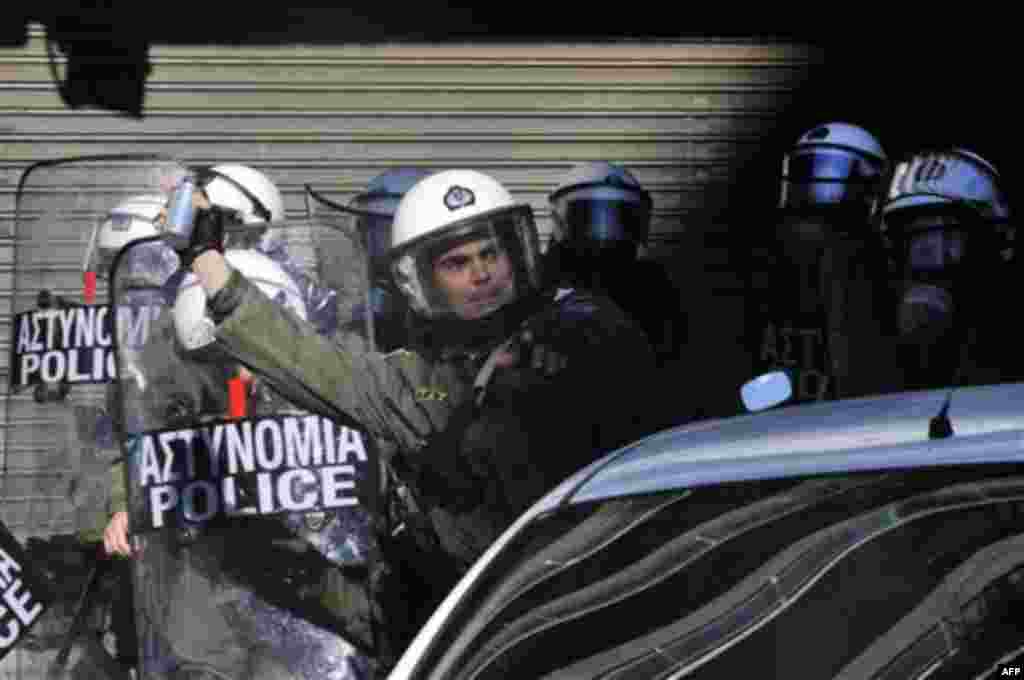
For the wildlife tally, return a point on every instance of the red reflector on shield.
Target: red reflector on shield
(89, 287)
(238, 389)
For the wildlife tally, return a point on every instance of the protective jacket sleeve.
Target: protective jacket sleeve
(118, 490)
(380, 394)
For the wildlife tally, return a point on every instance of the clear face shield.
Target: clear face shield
(149, 265)
(593, 225)
(828, 176)
(471, 269)
(115, 231)
(826, 191)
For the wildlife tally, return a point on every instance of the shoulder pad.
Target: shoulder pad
(582, 304)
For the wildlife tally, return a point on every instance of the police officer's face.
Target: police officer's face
(476, 278)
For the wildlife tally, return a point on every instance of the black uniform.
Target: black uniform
(646, 293)
(823, 313)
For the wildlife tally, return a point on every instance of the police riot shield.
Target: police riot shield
(376, 318)
(60, 443)
(23, 599)
(252, 519)
(61, 358)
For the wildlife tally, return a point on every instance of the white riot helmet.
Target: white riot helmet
(600, 203)
(834, 165)
(195, 329)
(450, 209)
(129, 221)
(245, 190)
(935, 199)
(380, 202)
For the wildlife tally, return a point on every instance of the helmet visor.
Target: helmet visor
(595, 221)
(148, 265)
(117, 230)
(473, 268)
(828, 177)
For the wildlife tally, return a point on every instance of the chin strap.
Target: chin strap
(483, 377)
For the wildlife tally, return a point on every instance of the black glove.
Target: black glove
(207, 233)
(541, 352)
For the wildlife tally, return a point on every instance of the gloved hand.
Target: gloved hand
(207, 233)
(527, 351)
(543, 356)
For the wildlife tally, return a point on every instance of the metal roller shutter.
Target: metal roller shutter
(679, 115)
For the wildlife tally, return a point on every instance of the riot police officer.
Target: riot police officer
(817, 299)
(946, 222)
(602, 221)
(255, 200)
(156, 266)
(226, 617)
(507, 388)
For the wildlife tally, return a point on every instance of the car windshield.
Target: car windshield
(699, 582)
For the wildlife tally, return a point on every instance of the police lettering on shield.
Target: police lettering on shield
(20, 602)
(74, 344)
(259, 466)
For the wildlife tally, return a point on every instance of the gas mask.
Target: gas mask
(926, 313)
(806, 234)
(934, 263)
(934, 322)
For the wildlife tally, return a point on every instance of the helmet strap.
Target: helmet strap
(450, 335)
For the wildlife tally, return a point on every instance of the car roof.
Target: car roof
(874, 433)
(826, 437)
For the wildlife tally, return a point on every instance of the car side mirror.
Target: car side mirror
(765, 391)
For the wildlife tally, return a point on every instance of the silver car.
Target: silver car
(869, 538)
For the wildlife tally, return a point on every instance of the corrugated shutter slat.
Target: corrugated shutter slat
(681, 116)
